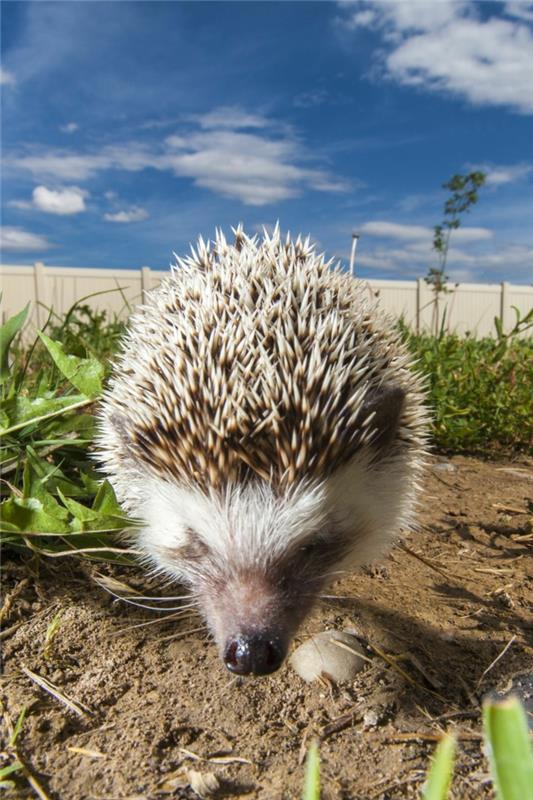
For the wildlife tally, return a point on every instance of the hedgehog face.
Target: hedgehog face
(256, 560)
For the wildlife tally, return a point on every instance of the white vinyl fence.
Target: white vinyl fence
(469, 307)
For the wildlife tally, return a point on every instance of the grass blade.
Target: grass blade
(8, 331)
(18, 727)
(508, 749)
(312, 774)
(441, 770)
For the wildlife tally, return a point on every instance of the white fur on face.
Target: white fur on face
(244, 554)
(251, 527)
(247, 527)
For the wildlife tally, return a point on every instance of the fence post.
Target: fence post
(504, 308)
(146, 282)
(41, 291)
(425, 305)
(418, 302)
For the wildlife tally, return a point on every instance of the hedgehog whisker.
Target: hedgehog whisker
(181, 634)
(159, 621)
(338, 597)
(156, 599)
(131, 602)
(155, 608)
(335, 572)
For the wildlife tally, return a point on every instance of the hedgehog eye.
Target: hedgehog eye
(313, 547)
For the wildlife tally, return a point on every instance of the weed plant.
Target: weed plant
(53, 501)
(480, 390)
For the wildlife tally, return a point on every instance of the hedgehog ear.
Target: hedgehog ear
(386, 404)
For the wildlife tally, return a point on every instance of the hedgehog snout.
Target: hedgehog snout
(253, 618)
(255, 654)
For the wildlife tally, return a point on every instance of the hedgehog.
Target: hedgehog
(265, 425)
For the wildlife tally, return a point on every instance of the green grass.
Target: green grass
(479, 389)
(53, 500)
(507, 747)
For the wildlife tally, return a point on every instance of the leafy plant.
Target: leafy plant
(52, 498)
(86, 330)
(464, 194)
(479, 389)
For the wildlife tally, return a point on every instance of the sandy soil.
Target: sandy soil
(156, 710)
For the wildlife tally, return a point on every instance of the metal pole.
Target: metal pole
(355, 237)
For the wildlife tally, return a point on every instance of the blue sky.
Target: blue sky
(131, 128)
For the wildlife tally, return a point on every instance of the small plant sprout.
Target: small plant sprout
(464, 194)
(51, 632)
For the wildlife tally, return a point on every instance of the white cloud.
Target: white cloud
(466, 235)
(446, 47)
(520, 9)
(510, 255)
(232, 118)
(311, 99)
(420, 233)
(24, 204)
(70, 200)
(6, 78)
(394, 230)
(20, 240)
(65, 201)
(408, 262)
(220, 154)
(134, 214)
(252, 168)
(61, 165)
(408, 251)
(414, 258)
(70, 127)
(499, 175)
(414, 15)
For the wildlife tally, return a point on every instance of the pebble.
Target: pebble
(370, 720)
(319, 656)
(445, 466)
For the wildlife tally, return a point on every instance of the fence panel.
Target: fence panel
(398, 298)
(469, 307)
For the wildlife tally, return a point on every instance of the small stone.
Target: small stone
(322, 656)
(445, 466)
(370, 720)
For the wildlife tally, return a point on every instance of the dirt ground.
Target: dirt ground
(156, 711)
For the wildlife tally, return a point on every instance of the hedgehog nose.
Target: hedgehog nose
(253, 655)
